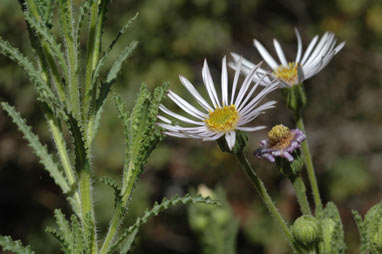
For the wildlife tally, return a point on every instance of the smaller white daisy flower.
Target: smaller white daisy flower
(290, 73)
(220, 117)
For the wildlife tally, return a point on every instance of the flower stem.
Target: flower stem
(309, 164)
(299, 186)
(261, 190)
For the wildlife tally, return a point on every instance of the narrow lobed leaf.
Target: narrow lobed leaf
(157, 208)
(40, 150)
(7, 244)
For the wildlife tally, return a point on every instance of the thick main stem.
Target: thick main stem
(309, 165)
(300, 189)
(261, 190)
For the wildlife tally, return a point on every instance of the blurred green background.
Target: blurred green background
(343, 118)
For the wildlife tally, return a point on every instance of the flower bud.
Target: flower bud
(306, 231)
(294, 97)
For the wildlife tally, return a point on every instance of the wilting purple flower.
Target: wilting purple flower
(281, 142)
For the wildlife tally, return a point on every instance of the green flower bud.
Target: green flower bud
(306, 231)
(241, 142)
(294, 97)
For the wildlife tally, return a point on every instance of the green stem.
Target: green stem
(85, 189)
(261, 190)
(113, 229)
(299, 186)
(309, 164)
(118, 213)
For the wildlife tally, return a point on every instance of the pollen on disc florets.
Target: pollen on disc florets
(280, 136)
(287, 74)
(223, 119)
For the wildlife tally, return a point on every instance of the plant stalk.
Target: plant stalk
(300, 189)
(261, 190)
(309, 164)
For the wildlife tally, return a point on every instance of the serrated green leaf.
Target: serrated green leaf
(65, 247)
(157, 208)
(362, 231)
(142, 136)
(121, 32)
(333, 241)
(114, 185)
(16, 247)
(40, 150)
(373, 229)
(44, 92)
(116, 67)
(63, 226)
(48, 37)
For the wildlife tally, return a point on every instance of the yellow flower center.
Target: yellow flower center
(280, 136)
(287, 74)
(222, 119)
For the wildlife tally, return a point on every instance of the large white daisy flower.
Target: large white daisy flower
(220, 116)
(289, 73)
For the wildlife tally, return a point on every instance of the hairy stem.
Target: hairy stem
(261, 190)
(309, 165)
(299, 186)
(118, 213)
(85, 189)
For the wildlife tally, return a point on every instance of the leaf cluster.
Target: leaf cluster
(333, 241)
(370, 230)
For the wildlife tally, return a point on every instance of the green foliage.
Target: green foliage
(7, 244)
(115, 69)
(40, 150)
(130, 233)
(215, 226)
(370, 230)
(73, 237)
(141, 134)
(43, 91)
(332, 231)
(115, 186)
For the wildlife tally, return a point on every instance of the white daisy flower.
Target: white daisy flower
(290, 73)
(220, 116)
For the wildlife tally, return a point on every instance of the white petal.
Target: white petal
(214, 137)
(230, 137)
(224, 81)
(248, 96)
(280, 53)
(187, 84)
(309, 49)
(318, 48)
(339, 47)
(179, 117)
(164, 119)
(236, 78)
(209, 84)
(258, 98)
(299, 46)
(187, 107)
(251, 128)
(266, 56)
(244, 87)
